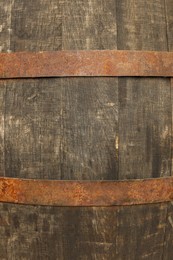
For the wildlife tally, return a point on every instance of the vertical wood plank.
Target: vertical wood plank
(169, 29)
(2, 127)
(169, 23)
(89, 128)
(90, 121)
(168, 237)
(32, 120)
(168, 243)
(73, 233)
(5, 25)
(5, 31)
(140, 232)
(91, 103)
(29, 232)
(144, 119)
(145, 107)
(36, 119)
(89, 25)
(36, 25)
(32, 132)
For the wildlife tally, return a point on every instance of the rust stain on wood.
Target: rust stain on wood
(86, 63)
(85, 193)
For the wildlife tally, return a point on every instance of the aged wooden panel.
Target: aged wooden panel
(89, 25)
(34, 120)
(92, 103)
(85, 233)
(29, 232)
(82, 117)
(168, 245)
(168, 239)
(169, 23)
(2, 130)
(145, 107)
(36, 25)
(33, 135)
(89, 129)
(169, 28)
(5, 25)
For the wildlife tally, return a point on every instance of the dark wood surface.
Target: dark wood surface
(168, 247)
(145, 108)
(77, 128)
(29, 232)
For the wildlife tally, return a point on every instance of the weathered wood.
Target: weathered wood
(32, 120)
(91, 105)
(89, 25)
(5, 25)
(59, 144)
(54, 133)
(79, 233)
(2, 130)
(168, 237)
(168, 241)
(145, 107)
(169, 22)
(29, 232)
(89, 129)
(36, 25)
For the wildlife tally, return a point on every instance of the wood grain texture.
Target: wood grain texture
(168, 245)
(72, 127)
(145, 107)
(5, 25)
(169, 23)
(29, 232)
(60, 129)
(89, 129)
(168, 238)
(32, 127)
(169, 29)
(36, 25)
(39, 130)
(92, 116)
(2, 127)
(89, 25)
(39, 134)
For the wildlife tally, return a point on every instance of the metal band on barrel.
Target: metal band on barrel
(86, 63)
(86, 193)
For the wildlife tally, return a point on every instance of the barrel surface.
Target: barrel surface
(86, 129)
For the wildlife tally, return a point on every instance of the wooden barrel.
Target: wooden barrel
(87, 128)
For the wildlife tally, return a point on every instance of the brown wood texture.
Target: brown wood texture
(74, 128)
(29, 232)
(145, 108)
(168, 246)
